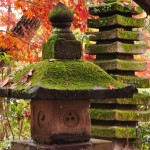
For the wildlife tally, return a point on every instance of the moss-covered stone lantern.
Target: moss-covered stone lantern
(60, 91)
(117, 40)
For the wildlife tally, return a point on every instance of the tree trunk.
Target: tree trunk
(145, 4)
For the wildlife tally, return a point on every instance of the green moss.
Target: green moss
(133, 22)
(116, 20)
(48, 47)
(114, 7)
(138, 99)
(139, 82)
(110, 1)
(113, 132)
(128, 65)
(48, 50)
(120, 115)
(60, 14)
(130, 35)
(115, 34)
(114, 64)
(67, 75)
(116, 47)
(100, 114)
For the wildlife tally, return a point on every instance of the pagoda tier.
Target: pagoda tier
(115, 43)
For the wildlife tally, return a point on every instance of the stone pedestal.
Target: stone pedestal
(94, 144)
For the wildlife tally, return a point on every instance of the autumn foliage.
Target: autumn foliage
(22, 48)
(25, 49)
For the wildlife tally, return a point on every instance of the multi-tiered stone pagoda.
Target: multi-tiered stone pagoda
(116, 42)
(60, 92)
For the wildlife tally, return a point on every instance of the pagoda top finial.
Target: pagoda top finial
(61, 15)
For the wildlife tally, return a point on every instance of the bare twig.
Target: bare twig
(8, 121)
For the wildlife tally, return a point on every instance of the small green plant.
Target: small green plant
(5, 58)
(84, 38)
(143, 136)
(14, 121)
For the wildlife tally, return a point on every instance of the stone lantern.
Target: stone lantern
(60, 91)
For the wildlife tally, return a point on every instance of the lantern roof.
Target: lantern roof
(64, 76)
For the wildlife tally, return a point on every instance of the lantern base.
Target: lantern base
(94, 144)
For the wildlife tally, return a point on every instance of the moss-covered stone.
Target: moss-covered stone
(120, 115)
(66, 75)
(116, 34)
(139, 82)
(116, 20)
(113, 132)
(116, 47)
(61, 13)
(113, 8)
(110, 1)
(116, 64)
(48, 50)
(138, 99)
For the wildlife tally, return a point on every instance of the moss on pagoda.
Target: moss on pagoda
(113, 132)
(139, 82)
(116, 64)
(110, 1)
(116, 20)
(113, 8)
(138, 99)
(116, 47)
(61, 13)
(115, 34)
(66, 75)
(120, 115)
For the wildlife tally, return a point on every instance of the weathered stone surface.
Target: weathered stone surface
(116, 64)
(139, 82)
(98, 144)
(31, 145)
(116, 47)
(120, 115)
(61, 16)
(110, 1)
(93, 144)
(60, 121)
(114, 7)
(64, 49)
(116, 34)
(138, 99)
(113, 132)
(116, 20)
(60, 48)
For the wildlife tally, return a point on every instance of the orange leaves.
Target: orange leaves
(19, 49)
(81, 15)
(111, 87)
(88, 57)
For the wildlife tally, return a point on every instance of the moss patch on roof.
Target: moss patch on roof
(114, 7)
(120, 115)
(116, 34)
(66, 75)
(116, 20)
(138, 99)
(117, 64)
(116, 47)
(113, 132)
